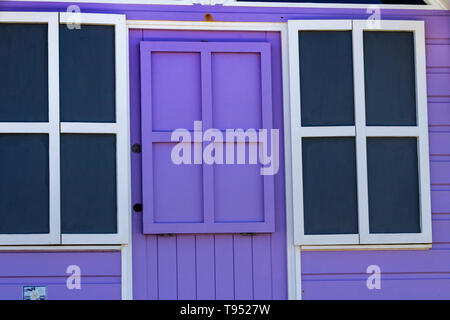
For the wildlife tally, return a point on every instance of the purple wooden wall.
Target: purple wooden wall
(245, 267)
(100, 274)
(207, 266)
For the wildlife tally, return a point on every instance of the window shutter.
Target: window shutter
(226, 86)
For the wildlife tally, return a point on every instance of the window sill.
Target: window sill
(367, 247)
(61, 248)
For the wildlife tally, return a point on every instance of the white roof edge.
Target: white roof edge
(445, 4)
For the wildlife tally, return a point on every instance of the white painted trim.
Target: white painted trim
(329, 239)
(127, 249)
(360, 130)
(126, 272)
(294, 282)
(422, 118)
(54, 128)
(298, 132)
(205, 25)
(367, 247)
(420, 131)
(26, 17)
(387, 25)
(294, 125)
(93, 239)
(337, 131)
(51, 127)
(120, 128)
(92, 18)
(89, 127)
(361, 139)
(25, 127)
(60, 248)
(328, 25)
(123, 137)
(434, 4)
(392, 131)
(298, 274)
(443, 4)
(29, 239)
(54, 141)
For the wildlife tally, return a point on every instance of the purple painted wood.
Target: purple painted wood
(278, 239)
(243, 267)
(407, 283)
(145, 275)
(224, 264)
(150, 252)
(440, 172)
(18, 264)
(205, 267)
(262, 266)
(439, 142)
(438, 55)
(393, 286)
(236, 90)
(441, 225)
(438, 84)
(437, 26)
(439, 113)
(440, 201)
(346, 262)
(221, 257)
(186, 267)
(100, 274)
(167, 268)
(103, 288)
(226, 85)
(438, 20)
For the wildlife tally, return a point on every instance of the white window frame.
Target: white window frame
(420, 131)
(360, 131)
(120, 128)
(51, 127)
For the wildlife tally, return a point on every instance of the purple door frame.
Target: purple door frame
(209, 266)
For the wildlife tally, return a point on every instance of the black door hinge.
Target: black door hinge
(136, 148)
(137, 207)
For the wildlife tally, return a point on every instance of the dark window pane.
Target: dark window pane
(326, 78)
(88, 183)
(23, 72)
(393, 185)
(87, 74)
(24, 183)
(389, 78)
(329, 186)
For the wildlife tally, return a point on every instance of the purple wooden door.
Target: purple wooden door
(208, 266)
(225, 85)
